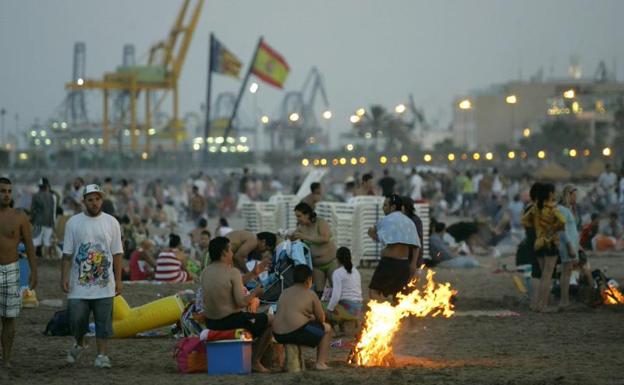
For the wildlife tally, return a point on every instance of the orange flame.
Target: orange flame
(374, 347)
(612, 296)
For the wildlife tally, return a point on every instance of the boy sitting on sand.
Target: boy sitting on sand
(300, 319)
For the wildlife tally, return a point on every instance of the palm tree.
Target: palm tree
(378, 123)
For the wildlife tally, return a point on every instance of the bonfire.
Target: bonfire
(612, 296)
(383, 319)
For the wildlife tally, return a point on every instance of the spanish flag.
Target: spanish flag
(222, 60)
(270, 66)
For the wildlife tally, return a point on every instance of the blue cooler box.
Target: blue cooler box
(229, 357)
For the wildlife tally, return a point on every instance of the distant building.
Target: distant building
(504, 113)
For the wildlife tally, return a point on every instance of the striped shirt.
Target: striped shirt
(169, 268)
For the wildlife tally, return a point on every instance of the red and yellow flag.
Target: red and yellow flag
(270, 66)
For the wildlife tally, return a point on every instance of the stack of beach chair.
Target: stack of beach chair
(422, 210)
(340, 219)
(285, 214)
(367, 211)
(260, 216)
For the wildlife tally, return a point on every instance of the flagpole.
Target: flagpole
(242, 90)
(208, 99)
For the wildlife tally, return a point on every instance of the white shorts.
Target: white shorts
(42, 236)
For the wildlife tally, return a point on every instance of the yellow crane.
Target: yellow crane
(161, 73)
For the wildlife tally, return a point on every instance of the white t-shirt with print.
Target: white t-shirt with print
(92, 242)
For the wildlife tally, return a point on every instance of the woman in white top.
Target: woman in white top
(345, 303)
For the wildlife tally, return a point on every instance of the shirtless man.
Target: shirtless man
(225, 300)
(300, 319)
(315, 195)
(245, 242)
(14, 228)
(399, 237)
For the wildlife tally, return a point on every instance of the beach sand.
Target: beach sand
(583, 345)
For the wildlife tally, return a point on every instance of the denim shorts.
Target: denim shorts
(80, 310)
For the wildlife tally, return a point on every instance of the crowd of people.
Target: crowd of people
(107, 231)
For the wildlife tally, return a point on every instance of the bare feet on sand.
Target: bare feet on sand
(321, 367)
(259, 368)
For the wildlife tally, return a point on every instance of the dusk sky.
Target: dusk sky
(368, 51)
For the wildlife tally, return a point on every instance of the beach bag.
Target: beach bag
(58, 325)
(190, 355)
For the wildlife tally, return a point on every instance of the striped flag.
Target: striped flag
(222, 60)
(270, 66)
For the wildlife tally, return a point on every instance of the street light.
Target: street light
(541, 154)
(511, 99)
(427, 158)
(360, 112)
(294, 117)
(253, 88)
(349, 147)
(511, 154)
(465, 104)
(526, 132)
(569, 94)
(606, 151)
(264, 119)
(327, 114)
(354, 119)
(399, 109)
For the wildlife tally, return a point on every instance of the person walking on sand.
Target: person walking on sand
(91, 274)
(14, 228)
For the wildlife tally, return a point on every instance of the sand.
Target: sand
(583, 345)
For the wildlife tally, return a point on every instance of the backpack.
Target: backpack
(58, 325)
(190, 355)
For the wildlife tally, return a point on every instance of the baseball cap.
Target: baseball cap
(92, 188)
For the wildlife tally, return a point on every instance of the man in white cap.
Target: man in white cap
(91, 274)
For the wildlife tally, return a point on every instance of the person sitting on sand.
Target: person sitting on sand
(223, 228)
(200, 253)
(442, 255)
(171, 263)
(610, 235)
(142, 263)
(300, 319)
(224, 300)
(345, 304)
(202, 225)
(245, 242)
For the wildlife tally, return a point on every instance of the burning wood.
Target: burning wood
(383, 319)
(612, 296)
